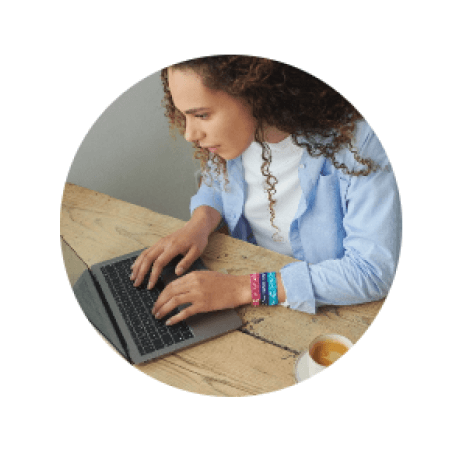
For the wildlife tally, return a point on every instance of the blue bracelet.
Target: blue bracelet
(273, 296)
(264, 285)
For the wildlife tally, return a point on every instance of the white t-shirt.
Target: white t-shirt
(286, 157)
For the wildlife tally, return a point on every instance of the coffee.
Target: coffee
(327, 351)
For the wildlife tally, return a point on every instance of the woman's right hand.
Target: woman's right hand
(189, 241)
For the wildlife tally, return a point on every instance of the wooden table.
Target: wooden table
(255, 359)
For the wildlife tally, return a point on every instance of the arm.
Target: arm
(190, 240)
(206, 290)
(372, 223)
(206, 219)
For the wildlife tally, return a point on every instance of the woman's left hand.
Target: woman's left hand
(205, 291)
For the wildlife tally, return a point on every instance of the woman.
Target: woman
(289, 165)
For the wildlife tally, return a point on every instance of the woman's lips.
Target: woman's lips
(211, 149)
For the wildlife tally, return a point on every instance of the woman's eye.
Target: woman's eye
(202, 116)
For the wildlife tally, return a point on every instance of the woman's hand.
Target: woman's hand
(205, 291)
(189, 241)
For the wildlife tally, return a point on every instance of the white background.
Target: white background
(402, 64)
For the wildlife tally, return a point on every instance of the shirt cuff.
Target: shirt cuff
(298, 287)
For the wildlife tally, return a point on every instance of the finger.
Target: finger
(175, 301)
(159, 264)
(135, 266)
(183, 315)
(139, 261)
(165, 296)
(139, 258)
(187, 261)
(174, 289)
(171, 290)
(145, 264)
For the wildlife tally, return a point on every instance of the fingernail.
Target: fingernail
(179, 271)
(157, 315)
(168, 322)
(132, 276)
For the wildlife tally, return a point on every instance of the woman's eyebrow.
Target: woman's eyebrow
(194, 110)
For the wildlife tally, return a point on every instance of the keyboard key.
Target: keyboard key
(178, 337)
(158, 343)
(187, 334)
(167, 339)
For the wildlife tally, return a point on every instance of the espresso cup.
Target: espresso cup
(323, 351)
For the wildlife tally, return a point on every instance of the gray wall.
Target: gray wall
(129, 154)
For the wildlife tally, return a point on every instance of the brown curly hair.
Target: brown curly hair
(280, 96)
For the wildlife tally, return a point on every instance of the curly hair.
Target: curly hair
(279, 96)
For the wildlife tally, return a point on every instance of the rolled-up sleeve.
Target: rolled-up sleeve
(372, 224)
(296, 280)
(207, 195)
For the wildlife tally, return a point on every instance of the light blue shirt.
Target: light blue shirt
(346, 231)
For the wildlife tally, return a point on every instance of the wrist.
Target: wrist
(244, 293)
(264, 289)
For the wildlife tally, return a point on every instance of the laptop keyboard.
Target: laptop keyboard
(135, 305)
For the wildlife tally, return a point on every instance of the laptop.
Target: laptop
(122, 312)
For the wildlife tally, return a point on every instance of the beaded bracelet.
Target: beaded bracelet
(264, 285)
(273, 292)
(264, 288)
(255, 292)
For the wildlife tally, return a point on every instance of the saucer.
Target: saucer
(304, 367)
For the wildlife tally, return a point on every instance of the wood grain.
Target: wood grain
(295, 330)
(260, 357)
(232, 365)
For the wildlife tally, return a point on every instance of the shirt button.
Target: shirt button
(302, 166)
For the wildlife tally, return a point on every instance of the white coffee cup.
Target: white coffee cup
(323, 351)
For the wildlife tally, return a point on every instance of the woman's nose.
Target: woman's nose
(193, 133)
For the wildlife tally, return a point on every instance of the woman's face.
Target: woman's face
(217, 121)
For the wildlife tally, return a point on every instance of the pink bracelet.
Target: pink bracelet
(255, 290)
